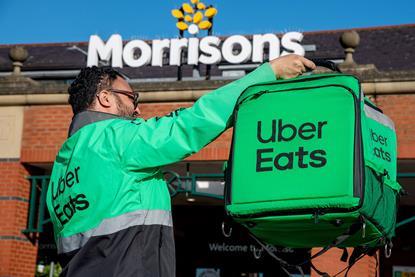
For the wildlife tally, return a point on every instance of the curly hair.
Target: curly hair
(87, 84)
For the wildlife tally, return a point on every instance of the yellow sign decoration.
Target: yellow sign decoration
(194, 16)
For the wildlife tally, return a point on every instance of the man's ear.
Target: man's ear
(105, 98)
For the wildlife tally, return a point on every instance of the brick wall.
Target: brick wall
(330, 263)
(45, 129)
(401, 109)
(17, 254)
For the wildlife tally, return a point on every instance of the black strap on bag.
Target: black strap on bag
(321, 273)
(345, 255)
(352, 230)
(327, 64)
(285, 266)
(357, 254)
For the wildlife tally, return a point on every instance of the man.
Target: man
(108, 202)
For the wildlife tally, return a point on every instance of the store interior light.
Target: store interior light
(191, 199)
(202, 184)
(40, 268)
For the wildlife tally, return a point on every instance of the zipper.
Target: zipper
(316, 215)
(372, 106)
(290, 81)
(360, 151)
(363, 227)
(358, 169)
(253, 96)
(229, 168)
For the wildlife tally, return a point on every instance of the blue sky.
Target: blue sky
(44, 21)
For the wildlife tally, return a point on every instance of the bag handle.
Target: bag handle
(327, 64)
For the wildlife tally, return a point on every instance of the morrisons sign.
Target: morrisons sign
(207, 50)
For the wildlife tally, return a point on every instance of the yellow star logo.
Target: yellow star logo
(194, 16)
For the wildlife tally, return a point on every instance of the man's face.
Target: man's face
(124, 103)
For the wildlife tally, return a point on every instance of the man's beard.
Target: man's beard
(123, 110)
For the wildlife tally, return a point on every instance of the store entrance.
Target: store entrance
(202, 250)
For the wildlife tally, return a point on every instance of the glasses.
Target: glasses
(130, 94)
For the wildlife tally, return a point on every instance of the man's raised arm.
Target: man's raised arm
(160, 141)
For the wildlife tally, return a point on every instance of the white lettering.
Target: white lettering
(112, 50)
(130, 48)
(158, 50)
(227, 248)
(207, 46)
(193, 51)
(291, 42)
(259, 42)
(223, 247)
(228, 49)
(209, 50)
(176, 47)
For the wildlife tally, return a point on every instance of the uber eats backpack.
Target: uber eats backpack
(313, 164)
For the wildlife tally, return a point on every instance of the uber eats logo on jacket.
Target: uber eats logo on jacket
(280, 132)
(66, 208)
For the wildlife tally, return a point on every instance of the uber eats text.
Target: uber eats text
(279, 132)
(380, 141)
(73, 203)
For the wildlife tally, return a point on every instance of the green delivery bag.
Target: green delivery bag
(312, 162)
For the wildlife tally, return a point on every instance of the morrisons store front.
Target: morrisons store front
(170, 74)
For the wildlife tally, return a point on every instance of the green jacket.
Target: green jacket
(106, 180)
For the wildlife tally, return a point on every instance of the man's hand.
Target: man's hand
(290, 66)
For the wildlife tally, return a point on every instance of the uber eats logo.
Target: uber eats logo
(73, 203)
(378, 151)
(279, 132)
